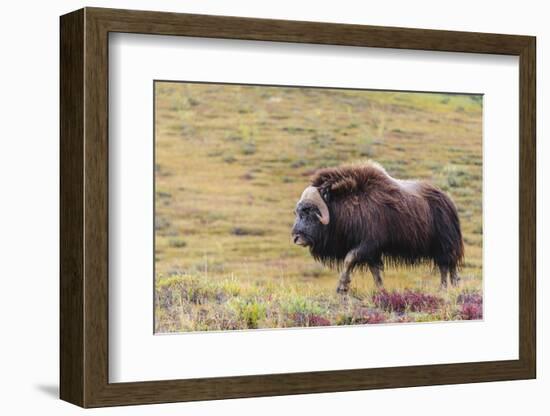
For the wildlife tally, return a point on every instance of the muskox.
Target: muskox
(358, 216)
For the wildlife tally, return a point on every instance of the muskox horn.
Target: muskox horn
(311, 194)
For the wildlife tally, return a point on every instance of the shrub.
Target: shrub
(316, 320)
(368, 316)
(233, 138)
(344, 319)
(230, 287)
(178, 243)
(161, 223)
(298, 163)
(453, 177)
(193, 102)
(471, 305)
(471, 311)
(375, 317)
(248, 148)
(409, 300)
(303, 319)
(249, 311)
(241, 231)
(365, 148)
(301, 305)
(186, 288)
(469, 297)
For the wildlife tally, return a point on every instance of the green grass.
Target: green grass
(231, 162)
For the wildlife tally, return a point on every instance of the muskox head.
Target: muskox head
(311, 216)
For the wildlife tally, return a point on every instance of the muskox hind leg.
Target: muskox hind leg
(443, 270)
(345, 277)
(451, 271)
(455, 279)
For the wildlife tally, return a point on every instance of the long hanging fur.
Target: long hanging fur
(398, 222)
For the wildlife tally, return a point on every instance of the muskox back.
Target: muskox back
(400, 222)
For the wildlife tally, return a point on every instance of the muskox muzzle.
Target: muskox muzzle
(299, 240)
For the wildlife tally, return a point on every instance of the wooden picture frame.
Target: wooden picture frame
(84, 207)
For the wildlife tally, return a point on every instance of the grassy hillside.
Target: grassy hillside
(231, 162)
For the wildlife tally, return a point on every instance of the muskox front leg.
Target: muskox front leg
(345, 277)
(376, 271)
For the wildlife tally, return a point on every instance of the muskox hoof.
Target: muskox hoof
(342, 289)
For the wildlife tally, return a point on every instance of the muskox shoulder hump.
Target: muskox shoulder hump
(350, 179)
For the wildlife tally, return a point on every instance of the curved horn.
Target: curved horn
(311, 194)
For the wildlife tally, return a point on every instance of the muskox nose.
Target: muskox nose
(299, 240)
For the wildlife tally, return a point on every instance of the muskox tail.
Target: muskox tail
(448, 246)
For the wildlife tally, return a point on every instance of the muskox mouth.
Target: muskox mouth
(299, 240)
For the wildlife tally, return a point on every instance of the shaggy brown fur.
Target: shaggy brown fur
(376, 219)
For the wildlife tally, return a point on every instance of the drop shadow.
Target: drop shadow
(51, 390)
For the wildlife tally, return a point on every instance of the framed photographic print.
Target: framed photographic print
(255, 207)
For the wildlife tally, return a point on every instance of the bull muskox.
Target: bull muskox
(358, 216)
